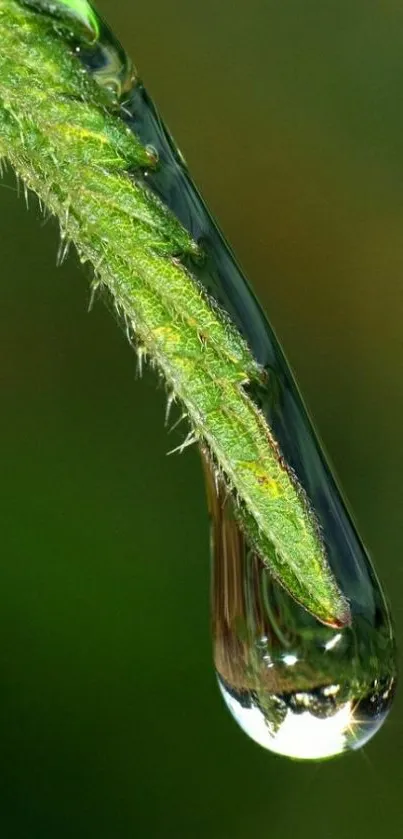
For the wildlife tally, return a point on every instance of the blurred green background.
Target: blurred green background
(111, 726)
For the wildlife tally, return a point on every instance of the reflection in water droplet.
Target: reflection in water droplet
(79, 11)
(93, 42)
(298, 687)
(293, 685)
(152, 154)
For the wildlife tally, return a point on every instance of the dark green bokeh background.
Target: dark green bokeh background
(290, 115)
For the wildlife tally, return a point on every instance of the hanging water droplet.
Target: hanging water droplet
(296, 686)
(293, 685)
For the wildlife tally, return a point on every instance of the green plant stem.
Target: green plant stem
(68, 144)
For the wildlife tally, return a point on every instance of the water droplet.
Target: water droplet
(295, 686)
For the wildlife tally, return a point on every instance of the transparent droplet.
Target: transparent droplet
(93, 42)
(295, 686)
(298, 687)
